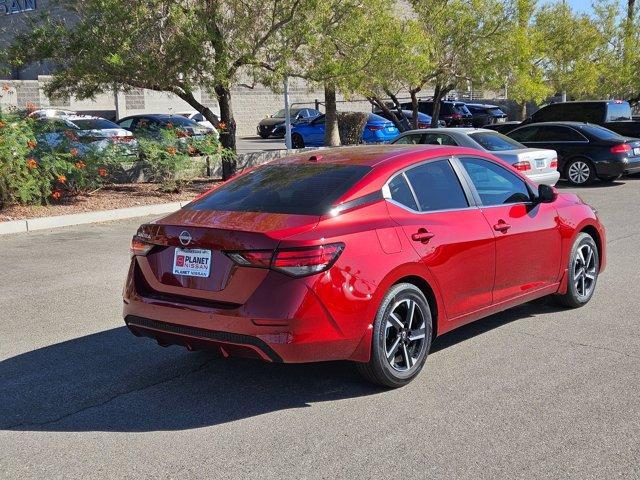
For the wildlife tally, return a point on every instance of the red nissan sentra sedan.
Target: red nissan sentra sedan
(362, 254)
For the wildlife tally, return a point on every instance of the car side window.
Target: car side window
(412, 139)
(198, 117)
(559, 134)
(495, 184)
(525, 134)
(437, 186)
(438, 139)
(126, 123)
(401, 193)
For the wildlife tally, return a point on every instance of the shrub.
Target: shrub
(351, 125)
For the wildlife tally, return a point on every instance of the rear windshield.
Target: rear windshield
(495, 111)
(602, 133)
(495, 142)
(94, 124)
(618, 112)
(300, 189)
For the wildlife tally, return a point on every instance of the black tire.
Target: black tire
(582, 272)
(263, 134)
(608, 178)
(297, 141)
(580, 172)
(411, 345)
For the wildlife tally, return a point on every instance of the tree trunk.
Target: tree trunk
(631, 7)
(523, 110)
(331, 132)
(227, 128)
(437, 96)
(414, 107)
(204, 110)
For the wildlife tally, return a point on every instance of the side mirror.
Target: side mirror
(546, 194)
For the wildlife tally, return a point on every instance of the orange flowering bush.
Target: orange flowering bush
(31, 163)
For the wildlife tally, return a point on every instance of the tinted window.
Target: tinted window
(585, 112)
(126, 123)
(495, 185)
(94, 124)
(54, 125)
(525, 134)
(602, 133)
(618, 111)
(198, 117)
(549, 113)
(462, 109)
(438, 139)
(401, 193)
(559, 134)
(178, 120)
(496, 112)
(495, 142)
(437, 186)
(303, 189)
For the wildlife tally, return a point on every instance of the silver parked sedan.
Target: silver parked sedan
(540, 165)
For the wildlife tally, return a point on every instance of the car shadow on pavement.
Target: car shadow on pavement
(112, 381)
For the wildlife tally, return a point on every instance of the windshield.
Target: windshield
(602, 133)
(301, 189)
(495, 142)
(94, 124)
(618, 112)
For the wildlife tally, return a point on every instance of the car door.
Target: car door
(314, 132)
(449, 233)
(528, 240)
(565, 140)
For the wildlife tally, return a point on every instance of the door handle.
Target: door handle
(422, 236)
(501, 226)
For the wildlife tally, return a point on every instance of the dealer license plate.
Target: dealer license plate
(194, 262)
(540, 163)
(636, 152)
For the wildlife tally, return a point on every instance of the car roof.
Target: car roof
(559, 124)
(483, 105)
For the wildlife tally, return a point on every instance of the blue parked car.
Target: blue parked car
(377, 130)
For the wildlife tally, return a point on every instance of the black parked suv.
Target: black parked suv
(484, 115)
(453, 114)
(612, 114)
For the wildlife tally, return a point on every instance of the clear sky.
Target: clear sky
(581, 5)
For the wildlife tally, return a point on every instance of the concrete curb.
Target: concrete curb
(45, 223)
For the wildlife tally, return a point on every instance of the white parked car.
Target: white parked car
(86, 133)
(51, 112)
(198, 117)
(539, 164)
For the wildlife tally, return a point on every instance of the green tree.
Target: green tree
(466, 43)
(175, 46)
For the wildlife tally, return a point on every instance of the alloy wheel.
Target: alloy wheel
(405, 335)
(579, 172)
(584, 271)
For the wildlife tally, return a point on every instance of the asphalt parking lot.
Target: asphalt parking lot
(535, 392)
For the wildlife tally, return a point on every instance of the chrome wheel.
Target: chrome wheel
(405, 335)
(579, 172)
(584, 271)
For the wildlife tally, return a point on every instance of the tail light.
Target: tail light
(375, 128)
(296, 262)
(622, 148)
(522, 166)
(554, 163)
(139, 247)
(456, 116)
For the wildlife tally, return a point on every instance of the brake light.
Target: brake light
(252, 258)
(375, 128)
(296, 262)
(554, 163)
(622, 148)
(139, 247)
(522, 166)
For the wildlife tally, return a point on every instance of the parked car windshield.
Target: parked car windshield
(495, 142)
(618, 112)
(300, 189)
(94, 124)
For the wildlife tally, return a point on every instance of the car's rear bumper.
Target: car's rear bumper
(547, 178)
(632, 167)
(284, 320)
